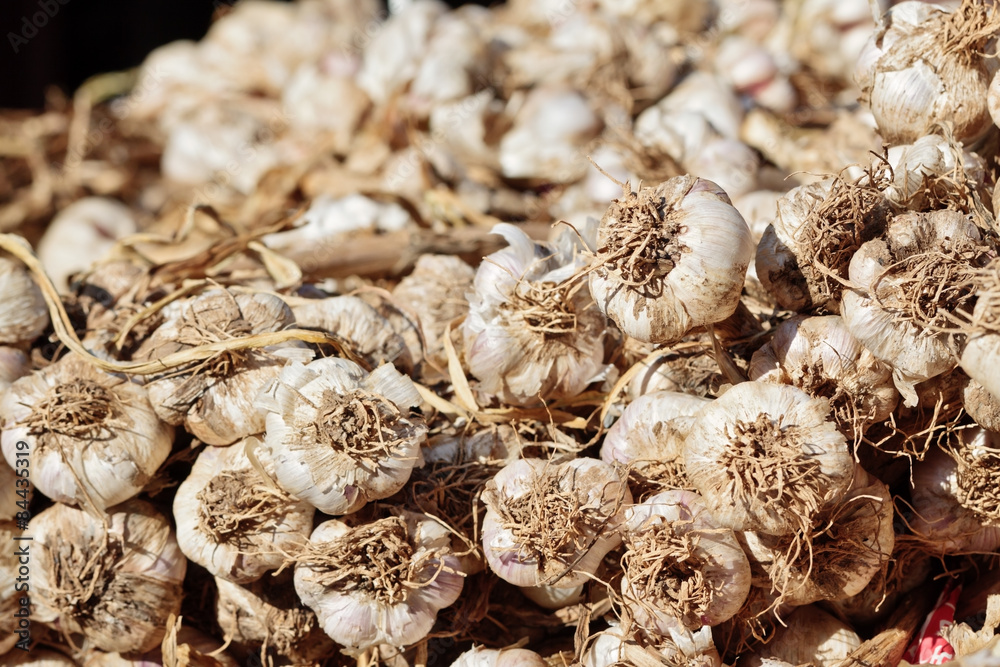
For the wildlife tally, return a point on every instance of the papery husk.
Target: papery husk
(982, 405)
(982, 349)
(182, 646)
(94, 437)
(551, 524)
(214, 398)
(744, 447)
(14, 364)
(976, 452)
(752, 626)
(231, 520)
(935, 172)
(116, 585)
(266, 618)
(810, 636)
(844, 549)
(688, 367)
(24, 315)
(397, 605)
(10, 597)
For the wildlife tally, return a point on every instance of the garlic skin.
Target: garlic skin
(890, 316)
(681, 569)
(982, 405)
(10, 597)
(650, 435)
(8, 504)
(214, 398)
(116, 585)
(981, 354)
(37, 657)
(268, 611)
(924, 66)
(397, 608)
(82, 234)
(231, 521)
(614, 646)
(24, 315)
(931, 170)
(340, 437)
(810, 636)
(14, 364)
(767, 458)
(532, 332)
(820, 356)
(480, 656)
(187, 647)
(95, 438)
(528, 542)
(670, 258)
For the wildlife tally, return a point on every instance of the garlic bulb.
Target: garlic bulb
(670, 259)
(95, 440)
(14, 364)
(266, 616)
(340, 437)
(214, 398)
(24, 315)
(982, 348)
(810, 636)
(650, 436)
(817, 229)
(10, 596)
(80, 235)
(231, 521)
(909, 287)
(932, 172)
(37, 657)
(397, 605)
(767, 458)
(683, 368)
(480, 656)
(926, 65)
(940, 519)
(615, 646)
(821, 357)
(116, 583)
(533, 331)
(838, 555)
(368, 334)
(324, 97)
(435, 292)
(185, 647)
(751, 70)
(17, 492)
(982, 405)
(552, 524)
(680, 568)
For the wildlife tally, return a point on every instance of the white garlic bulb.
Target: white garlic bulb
(268, 612)
(615, 646)
(397, 604)
(533, 332)
(324, 97)
(552, 524)
(821, 357)
(907, 289)
(767, 457)
(680, 568)
(670, 258)
(810, 636)
(982, 405)
(340, 437)
(480, 656)
(231, 521)
(14, 364)
(24, 315)
(751, 70)
(185, 646)
(650, 436)
(926, 65)
(37, 657)
(80, 235)
(94, 438)
(836, 557)
(116, 581)
(981, 355)
(932, 171)
(214, 398)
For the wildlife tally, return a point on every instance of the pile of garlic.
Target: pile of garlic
(380, 368)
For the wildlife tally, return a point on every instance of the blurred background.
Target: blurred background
(81, 38)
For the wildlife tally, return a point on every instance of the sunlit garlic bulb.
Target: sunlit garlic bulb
(670, 258)
(24, 315)
(551, 524)
(397, 604)
(214, 398)
(650, 436)
(184, 646)
(615, 646)
(820, 356)
(533, 332)
(14, 364)
(981, 356)
(233, 522)
(340, 437)
(752, 71)
(835, 557)
(932, 170)
(480, 656)
(908, 289)
(680, 568)
(767, 457)
(269, 612)
(810, 635)
(982, 405)
(927, 65)
(94, 438)
(115, 583)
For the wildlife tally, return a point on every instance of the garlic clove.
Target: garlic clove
(742, 450)
(231, 521)
(340, 437)
(115, 583)
(24, 315)
(94, 438)
(359, 608)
